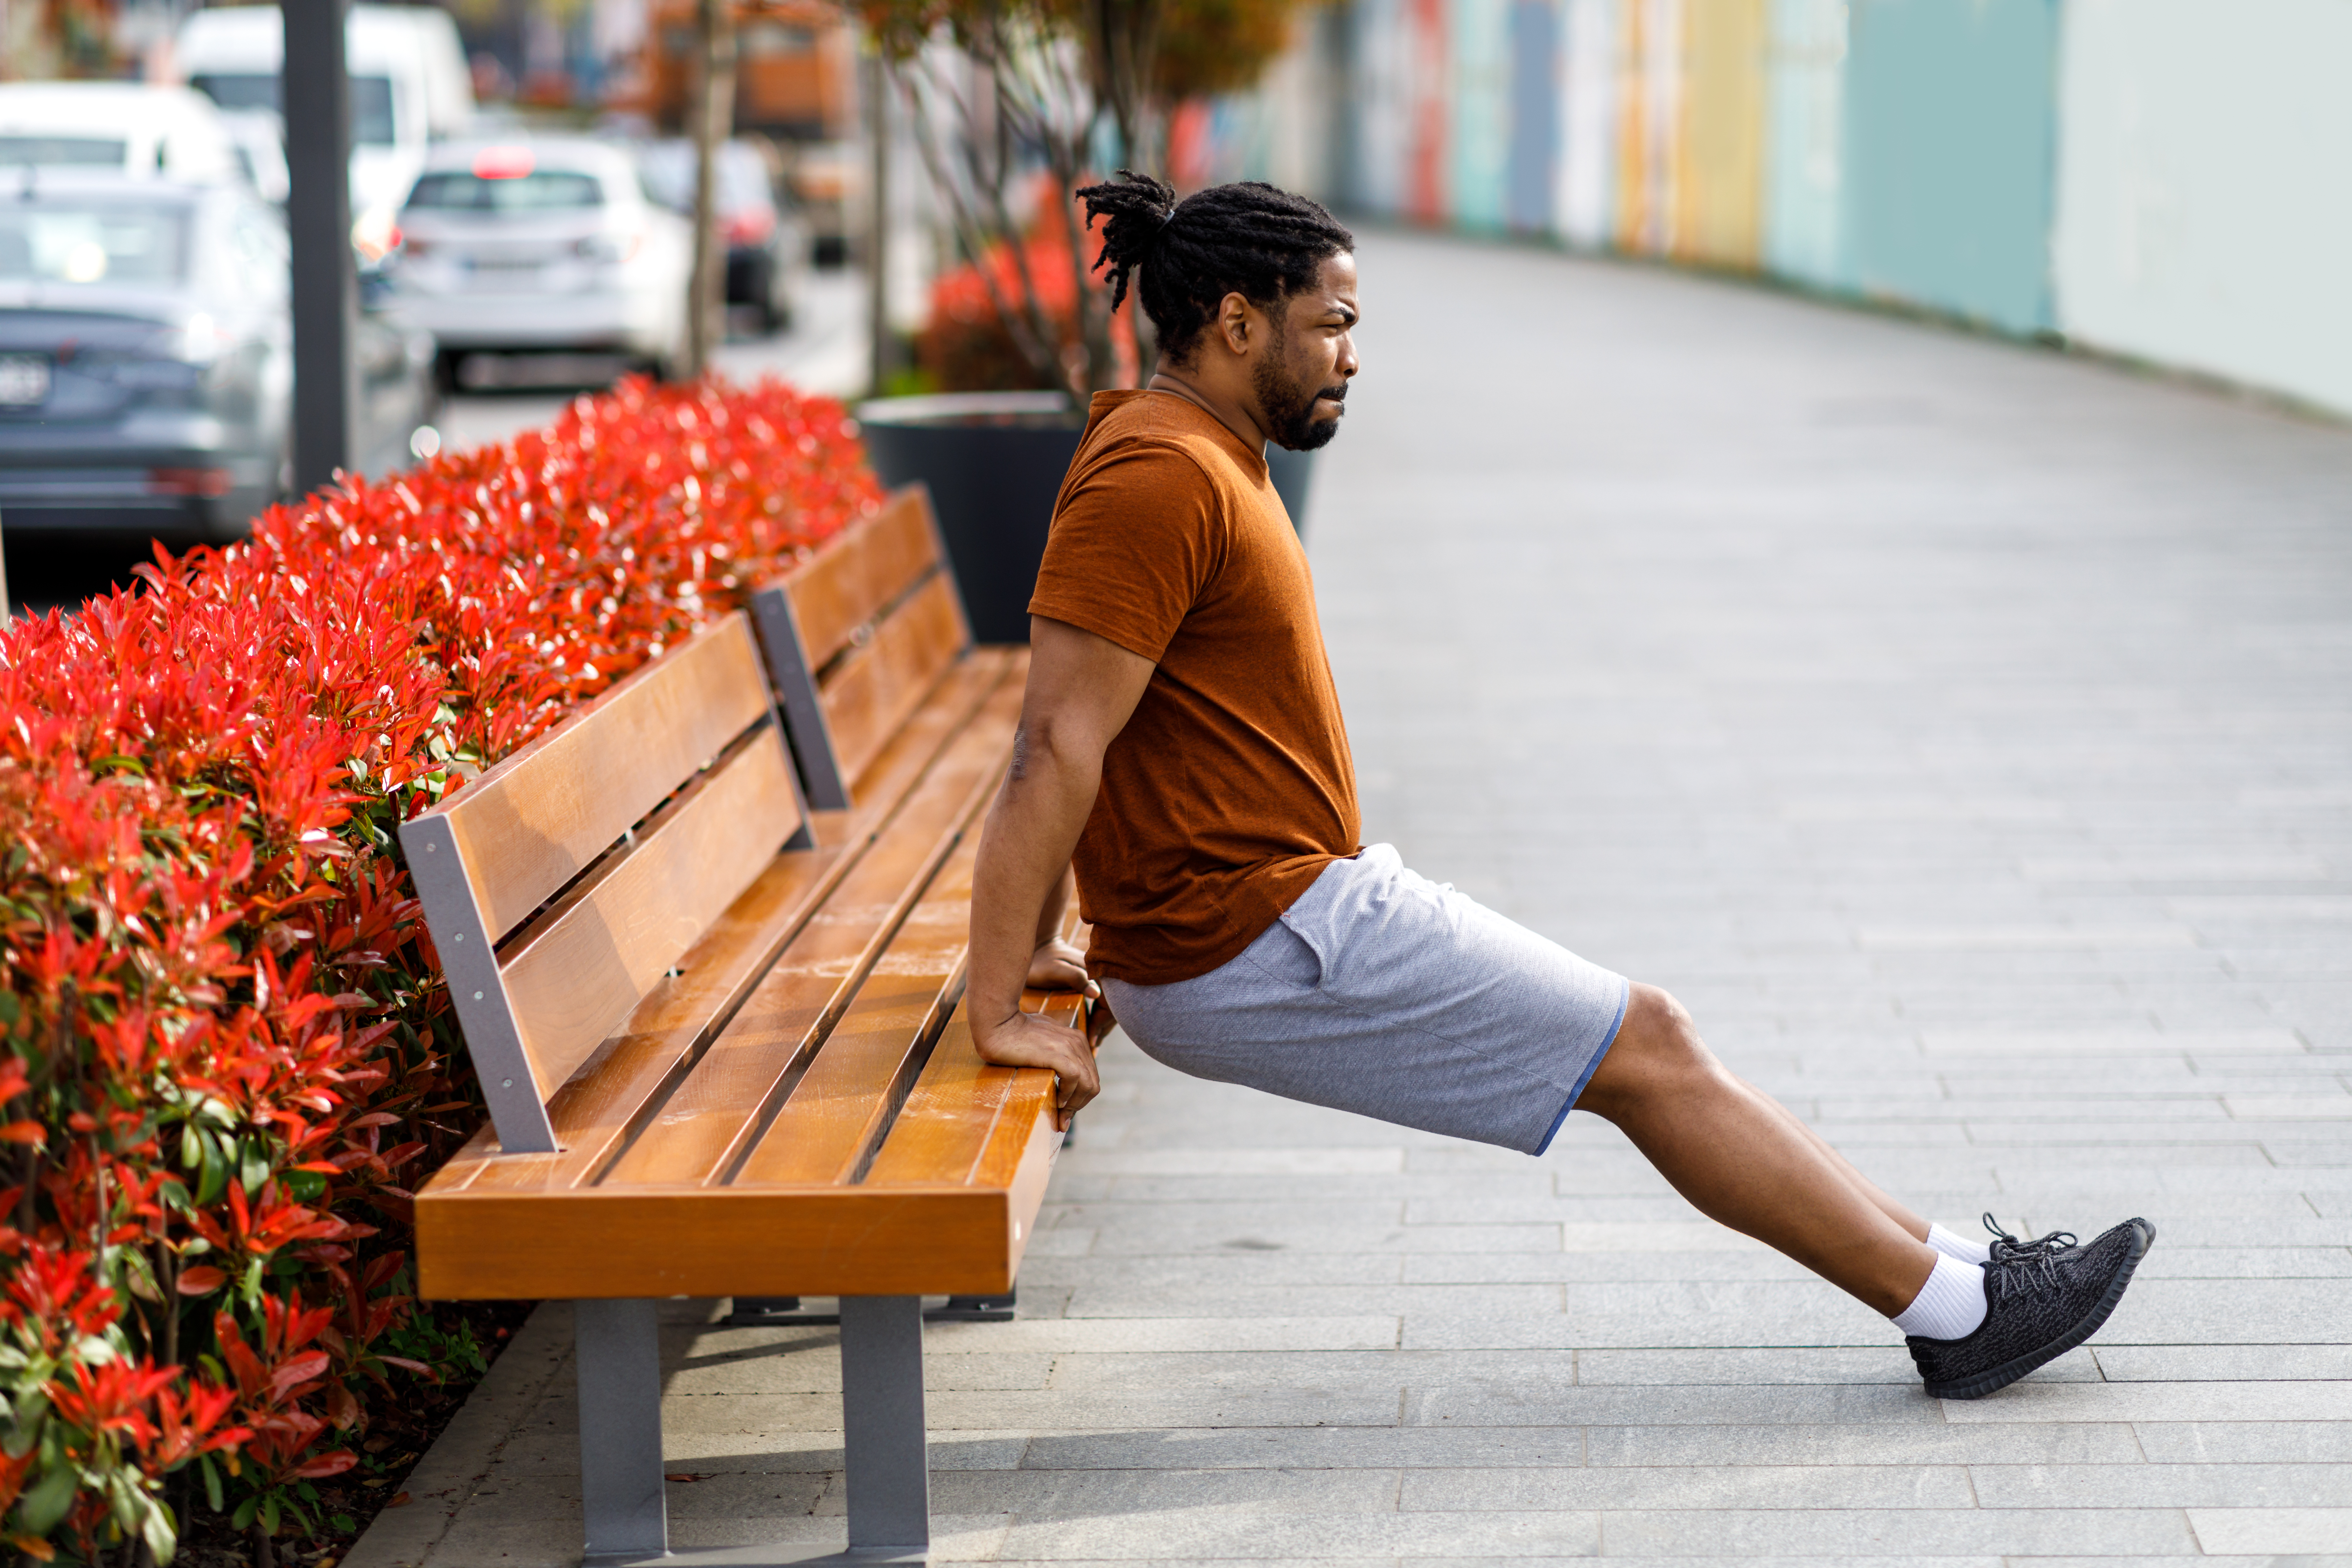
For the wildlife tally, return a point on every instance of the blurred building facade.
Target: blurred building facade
(2159, 179)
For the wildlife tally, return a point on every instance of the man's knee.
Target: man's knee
(1657, 1051)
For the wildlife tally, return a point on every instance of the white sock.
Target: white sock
(1950, 1306)
(1959, 1248)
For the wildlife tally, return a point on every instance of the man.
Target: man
(1180, 750)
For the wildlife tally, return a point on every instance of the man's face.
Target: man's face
(1301, 375)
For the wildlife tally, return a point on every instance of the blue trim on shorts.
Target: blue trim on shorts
(1623, 998)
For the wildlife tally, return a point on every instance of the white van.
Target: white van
(410, 87)
(142, 131)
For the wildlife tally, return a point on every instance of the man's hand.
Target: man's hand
(1056, 965)
(1026, 1040)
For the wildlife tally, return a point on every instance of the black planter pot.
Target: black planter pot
(993, 462)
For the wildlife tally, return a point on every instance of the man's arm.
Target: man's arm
(1082, 688)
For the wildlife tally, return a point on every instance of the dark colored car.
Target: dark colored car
(146, 365)
(767, 241)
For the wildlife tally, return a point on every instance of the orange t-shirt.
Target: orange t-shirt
(1231, 787)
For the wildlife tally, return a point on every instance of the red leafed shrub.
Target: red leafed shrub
(230, 1059)
(966, 344)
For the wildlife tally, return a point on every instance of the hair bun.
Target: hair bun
(1135, 209)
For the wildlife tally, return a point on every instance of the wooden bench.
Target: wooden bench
(718, 1028)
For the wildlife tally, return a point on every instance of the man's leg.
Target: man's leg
(1745, 1160)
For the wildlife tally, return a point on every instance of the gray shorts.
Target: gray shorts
(1385, 993)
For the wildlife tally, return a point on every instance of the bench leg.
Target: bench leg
(882, 1421)
(616, 1346)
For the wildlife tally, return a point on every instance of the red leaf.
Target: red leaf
(201, 1279)
(302, 1369)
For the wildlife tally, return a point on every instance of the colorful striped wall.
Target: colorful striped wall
(2158, 178)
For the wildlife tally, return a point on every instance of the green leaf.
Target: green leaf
(124, 1498)
(32, 1417)
(252, 1164)
(269, 1514)
(306, 1186)
(212, 1180)
(242, 1518)
(155, 1529)
(342, 1524)
(45, 1503)
(212, 1482)
(191, 1148)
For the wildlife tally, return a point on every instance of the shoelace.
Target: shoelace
(2028, 1265)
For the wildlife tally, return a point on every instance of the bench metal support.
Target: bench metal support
(788, 1312)
(795, 684)
(616, 1346)
(882, 1421)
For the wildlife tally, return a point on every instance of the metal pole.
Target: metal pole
(877, 221)
(319, 223)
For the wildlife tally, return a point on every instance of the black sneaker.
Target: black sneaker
(2042, 1297)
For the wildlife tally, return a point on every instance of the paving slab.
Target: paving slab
(1964, 732)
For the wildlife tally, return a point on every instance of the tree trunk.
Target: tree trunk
(713, 116)
(882, 344)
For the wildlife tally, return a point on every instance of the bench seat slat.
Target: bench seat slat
(874, 688)
(727, 1241)
(948, 1118)
(611, 1093)
(835, 1115)
(704, 1124)
(538, 818)
(957, 1115)
(994, 1125)
(592, 958)
(596, 1108)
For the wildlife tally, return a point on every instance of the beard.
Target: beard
(1287, 401)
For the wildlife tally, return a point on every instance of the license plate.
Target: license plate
(24, 381)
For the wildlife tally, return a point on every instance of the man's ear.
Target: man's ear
(1234, 312)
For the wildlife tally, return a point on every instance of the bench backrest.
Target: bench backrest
(856, 637)
(562, 884)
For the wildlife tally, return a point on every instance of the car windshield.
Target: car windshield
(542, 190)
(67, 241)
(371, 100)
(102, 151)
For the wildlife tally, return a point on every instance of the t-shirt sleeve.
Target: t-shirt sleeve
(1132, 545)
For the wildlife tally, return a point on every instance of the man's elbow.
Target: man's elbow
(1043, 748)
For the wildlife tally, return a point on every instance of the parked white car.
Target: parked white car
(409, 87)
(128, 127)
(545, 245)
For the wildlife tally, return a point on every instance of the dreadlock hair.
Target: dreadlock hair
(1250, 239)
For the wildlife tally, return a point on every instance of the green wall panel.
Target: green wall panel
(1951, 138)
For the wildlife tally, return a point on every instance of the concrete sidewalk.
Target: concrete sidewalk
(1961, 732)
